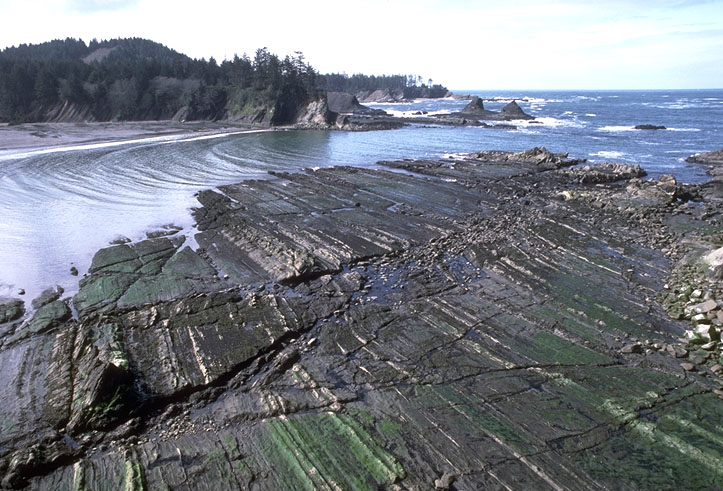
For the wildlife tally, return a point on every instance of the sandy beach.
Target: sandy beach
(32, 136)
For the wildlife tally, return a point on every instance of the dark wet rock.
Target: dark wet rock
(121, 239)
(649, 127)
(11, 309)
(47, 296)
(164, 231)
(534, 160)
(605, 173)
(74, 271)
(49, 315)
(366, 122)
(46, 317)
(640, 195)
(453, 326)
(476, 110)
(715, 158)
(713, 161)
(126, 270)
(540, 155)
(475, 106)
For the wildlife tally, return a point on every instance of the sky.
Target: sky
(462, 44)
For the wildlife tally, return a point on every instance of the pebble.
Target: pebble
(709, 346)
(632, 348)
(688, 367)
(698, 359)
(444, 482)
(705, 307)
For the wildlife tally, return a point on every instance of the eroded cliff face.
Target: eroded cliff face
(494, 321)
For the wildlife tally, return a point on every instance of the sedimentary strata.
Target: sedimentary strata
(494, 321)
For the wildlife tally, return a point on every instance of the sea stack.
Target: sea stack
(475, 106)
(513, 111)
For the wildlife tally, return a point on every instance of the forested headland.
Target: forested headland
(137, 79)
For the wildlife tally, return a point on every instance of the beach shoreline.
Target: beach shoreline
(35, 136)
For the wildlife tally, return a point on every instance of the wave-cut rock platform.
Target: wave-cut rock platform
(496, 321)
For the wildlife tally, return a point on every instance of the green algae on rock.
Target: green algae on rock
(499, 320)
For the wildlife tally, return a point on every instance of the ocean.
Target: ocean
(59, 206)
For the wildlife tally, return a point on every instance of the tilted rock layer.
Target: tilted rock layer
(490, 322)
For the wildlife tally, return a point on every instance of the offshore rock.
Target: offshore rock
(475, 109)
(475, 106)
(715, 158)
(452, 326)
(649, 127)
(514, 111)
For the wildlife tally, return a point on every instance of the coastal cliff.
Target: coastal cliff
(500, 319)
(139, 80)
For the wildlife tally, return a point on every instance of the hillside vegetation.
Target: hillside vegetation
(407, 86)
(137, 79)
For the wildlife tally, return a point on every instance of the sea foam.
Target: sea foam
(608, 154)
(615, 128)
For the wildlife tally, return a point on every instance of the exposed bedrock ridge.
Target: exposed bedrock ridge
(492, 321)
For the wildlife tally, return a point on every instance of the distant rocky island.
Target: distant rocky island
(351, 114)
